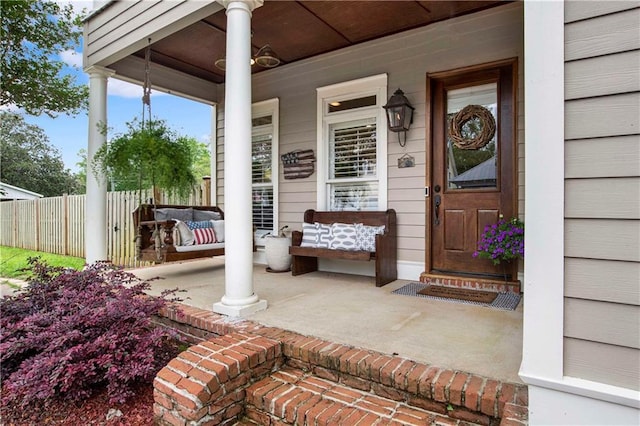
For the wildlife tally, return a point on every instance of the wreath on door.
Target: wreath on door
(462, 117)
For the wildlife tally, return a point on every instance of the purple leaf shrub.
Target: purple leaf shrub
(70, 332)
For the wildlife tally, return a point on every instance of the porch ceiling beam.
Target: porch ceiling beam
(167, 80)
(164, 58)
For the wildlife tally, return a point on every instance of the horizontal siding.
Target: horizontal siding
(602, 35)
(605, 280)
(406, 58)
(603, 198)
(603, 239)
(577, 10)
(603, 157)
(602, 116)
(124, 27)
(603, 75)
(602, 192)
(610, 364)
(611, 323)
(109, 22)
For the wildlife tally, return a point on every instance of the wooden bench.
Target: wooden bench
(305, 259)
(168, 251)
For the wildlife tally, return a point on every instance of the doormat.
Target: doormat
(505, 301)
(459, 293)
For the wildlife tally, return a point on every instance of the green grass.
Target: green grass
(13, 259)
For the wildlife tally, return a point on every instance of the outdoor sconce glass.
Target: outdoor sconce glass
(399, 114)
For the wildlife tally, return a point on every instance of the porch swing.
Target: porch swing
(169, 233)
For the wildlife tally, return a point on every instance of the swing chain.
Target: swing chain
(146, 88)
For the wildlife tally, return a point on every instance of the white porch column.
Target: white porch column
(239, 298)
(96, 201)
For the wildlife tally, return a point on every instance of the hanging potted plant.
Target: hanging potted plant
(152, 155)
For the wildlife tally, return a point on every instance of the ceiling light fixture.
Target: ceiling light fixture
(264, 57)
(221, 63)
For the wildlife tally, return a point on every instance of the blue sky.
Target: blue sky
(69, 133)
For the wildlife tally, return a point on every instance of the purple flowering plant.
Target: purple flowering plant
(502, 241)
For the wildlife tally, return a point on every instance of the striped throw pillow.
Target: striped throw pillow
(204, 235)
(309, 235)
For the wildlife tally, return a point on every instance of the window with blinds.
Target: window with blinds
(353, 178)
(352, 145)
(263, 208)
(261, 161)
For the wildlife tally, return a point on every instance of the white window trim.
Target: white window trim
(258, 109)
(373, 85)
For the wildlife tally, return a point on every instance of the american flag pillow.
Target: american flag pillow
(204, 235)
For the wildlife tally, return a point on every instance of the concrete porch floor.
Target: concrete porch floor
(349, 309)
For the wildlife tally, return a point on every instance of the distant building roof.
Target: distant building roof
(479, 175)
(10, 192)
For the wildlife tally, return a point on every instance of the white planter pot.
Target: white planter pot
(277, 253)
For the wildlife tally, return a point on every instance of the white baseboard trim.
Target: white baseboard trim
(586, 388)
(406, 270)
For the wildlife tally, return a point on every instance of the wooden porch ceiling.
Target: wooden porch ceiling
(301, 29)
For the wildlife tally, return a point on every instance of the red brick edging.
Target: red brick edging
(206, 384)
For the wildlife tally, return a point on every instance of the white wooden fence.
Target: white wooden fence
(56, 224)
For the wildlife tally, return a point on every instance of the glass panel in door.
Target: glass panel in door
(472, 166)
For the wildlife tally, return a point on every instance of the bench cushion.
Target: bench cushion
(200, 215)
(169, 213)
(183, 249)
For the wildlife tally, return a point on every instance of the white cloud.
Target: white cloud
(72, 58)
(124, 89)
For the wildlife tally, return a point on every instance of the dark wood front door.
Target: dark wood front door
(473, 179)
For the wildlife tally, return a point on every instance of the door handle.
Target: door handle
(437, 206)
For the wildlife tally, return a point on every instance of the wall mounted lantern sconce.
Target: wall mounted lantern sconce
(399, 114)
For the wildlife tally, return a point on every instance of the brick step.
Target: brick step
(294, 397)
(248, 367)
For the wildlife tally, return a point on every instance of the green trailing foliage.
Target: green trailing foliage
(149, 155)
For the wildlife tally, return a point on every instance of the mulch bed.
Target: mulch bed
(138, 411)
